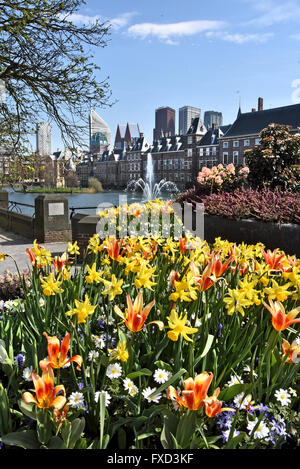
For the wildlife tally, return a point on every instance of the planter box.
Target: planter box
(273, 235)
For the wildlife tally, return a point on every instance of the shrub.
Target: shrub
(95, 185)
(265, 205)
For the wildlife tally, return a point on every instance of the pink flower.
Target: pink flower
(230, 168)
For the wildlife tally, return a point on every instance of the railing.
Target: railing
(101, 205)
(12, 205)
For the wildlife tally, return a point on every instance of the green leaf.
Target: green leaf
(26, 439)
(56, 443)
(142, 372)
(207, 348)
(228, 393)
(28, 409)
(186, 429)
(77, 427)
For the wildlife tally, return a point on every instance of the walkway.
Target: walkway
(16, 245)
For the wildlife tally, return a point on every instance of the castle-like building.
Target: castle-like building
(178, 158)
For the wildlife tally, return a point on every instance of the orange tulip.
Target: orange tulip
(59, 262)
(46, 393)
(217, 267)
(273, 260)
(207, 279)
(136, 314)
(195, 391)
(293, 351)
(113, 247)
(213, 407)
(59, 359)
(280, 319)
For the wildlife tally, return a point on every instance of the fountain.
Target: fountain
(149, 188)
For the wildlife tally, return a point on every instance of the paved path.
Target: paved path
(16, 245)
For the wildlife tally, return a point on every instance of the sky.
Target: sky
(206, 54)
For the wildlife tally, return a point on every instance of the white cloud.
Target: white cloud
(240, 38)
(118, 22)
(275, 11)
(168, 32)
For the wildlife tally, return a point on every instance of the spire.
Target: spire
(240, 110)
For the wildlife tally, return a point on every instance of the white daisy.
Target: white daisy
(146, 393)
(41, 302)
(107, 397)
(241, 401)
(114, 371)
(88, 372)
(293, 392)
(234, 379)
(262, 430)
(76, 399)
(283, 397)
(127, 383)
(27, 373)
(161, 376)
(93, 354)
(99, 341)
(133, 390)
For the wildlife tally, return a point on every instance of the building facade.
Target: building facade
(164, 122)
(186, 116)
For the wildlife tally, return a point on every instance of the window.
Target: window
(159, 165)
(165, 164)
(170, 164)
(190, 140)
(214, 151)
(176, 164)
(190, 152)
(235, 157)
(257, 141)
(225, 158)
(207, 151)
(246, 143)
(182, 164)
(225, 144)
(236, 143)
(200, 151)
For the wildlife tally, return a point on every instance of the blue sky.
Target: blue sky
(207, 54)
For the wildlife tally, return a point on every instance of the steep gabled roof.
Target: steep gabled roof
(197, 126)
(252, 123)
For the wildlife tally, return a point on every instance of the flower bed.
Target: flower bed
(153, 343)
(263, 205)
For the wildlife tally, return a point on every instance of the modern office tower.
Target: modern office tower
(44, 138)
(99, 133)
(213, 117)
(186, 115)
(164, 122)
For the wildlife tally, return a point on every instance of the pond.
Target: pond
(80, 201)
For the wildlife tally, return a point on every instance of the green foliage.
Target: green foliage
(273, 162)
(95, 185)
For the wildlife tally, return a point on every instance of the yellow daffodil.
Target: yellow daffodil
(73, 248)
(293, 276)
(278, 292)
(144, 276)
(93, 274)
(177, 325)
(184, 289)
(236, 301)
(113, 287)
(51, 285)
(94, 245)
(251, 294)
(2, 257)
(119, 353)
(83, 309)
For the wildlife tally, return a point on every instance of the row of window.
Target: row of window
(160, 165)
(236, 143)
(208, 151)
